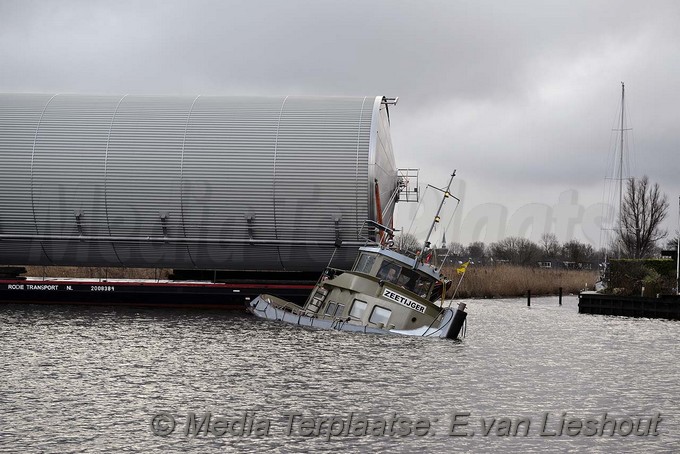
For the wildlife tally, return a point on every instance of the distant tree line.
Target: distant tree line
(522, 251)
(514, 250)
(644, 207)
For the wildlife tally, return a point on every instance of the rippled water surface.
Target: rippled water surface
(91, 379)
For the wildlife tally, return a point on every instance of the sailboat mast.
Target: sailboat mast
(623, 92)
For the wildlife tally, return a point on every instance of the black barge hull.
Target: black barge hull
(204, 295)
(665, 306)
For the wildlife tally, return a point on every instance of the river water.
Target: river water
(108, 379)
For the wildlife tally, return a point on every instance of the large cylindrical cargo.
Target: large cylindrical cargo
(247, 183)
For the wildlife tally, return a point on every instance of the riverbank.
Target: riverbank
(514, 281)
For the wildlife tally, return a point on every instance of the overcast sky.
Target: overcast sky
(520, 97)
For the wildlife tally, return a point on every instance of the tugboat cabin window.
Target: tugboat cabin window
(334, 309)
(420, 284)
(389, 272)
(365, 263)
(358, 309)
(331, 308)
(380, 315)
(417, 283)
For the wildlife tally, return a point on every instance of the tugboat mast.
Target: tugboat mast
(436, 219)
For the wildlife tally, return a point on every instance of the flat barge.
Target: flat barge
(145, 293)
(665, 306)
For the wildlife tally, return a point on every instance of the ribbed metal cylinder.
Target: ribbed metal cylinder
(203, 182)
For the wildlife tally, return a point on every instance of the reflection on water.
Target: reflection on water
(90, 380)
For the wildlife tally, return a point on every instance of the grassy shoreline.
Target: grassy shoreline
(514, 281)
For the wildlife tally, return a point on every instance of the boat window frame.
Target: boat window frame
(363, 310)
(373, 313)
(422, 285)
(327, 309)
(387, 266)
(337, 310)
(405, 275)
(340, 309)
(370, 261)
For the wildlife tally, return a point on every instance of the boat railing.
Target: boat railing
(375, 234)
(293, 308)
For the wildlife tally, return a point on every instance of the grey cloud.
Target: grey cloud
(514, 94)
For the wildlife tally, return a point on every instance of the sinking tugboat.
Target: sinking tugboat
(385, 292)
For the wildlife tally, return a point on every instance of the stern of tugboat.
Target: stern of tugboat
(456, 322)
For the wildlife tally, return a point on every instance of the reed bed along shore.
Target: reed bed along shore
(514, 281)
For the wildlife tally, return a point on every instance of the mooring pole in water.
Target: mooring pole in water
(560, 294)
(457, 322)
(528, 298)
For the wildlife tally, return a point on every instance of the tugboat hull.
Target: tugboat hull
(271, 308)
